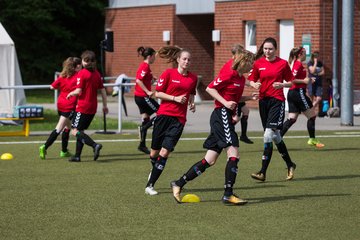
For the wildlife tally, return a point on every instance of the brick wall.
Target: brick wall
(194, 32)
(310, 17)
(135, 27)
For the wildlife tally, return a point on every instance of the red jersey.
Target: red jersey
(143, 74)
(299, 72)
(173, 83)
(228, 84)
(65, 85)
(268, 73)
(89, 82)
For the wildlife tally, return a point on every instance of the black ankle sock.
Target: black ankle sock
(51, 139)
(231, 170)
(311, 127)
(287, 125)
(79, 147)
(143, 131)
(266, 158)
(153, 160)
(284, 153)
(65, 139)
(86, 139)
(196, 170)
(157, 170)
(244, 124)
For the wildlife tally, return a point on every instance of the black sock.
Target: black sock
(86, 139)
(149, 123)
(156, 171)
(231, 170)
(65, 139)
(51, 139)
(244, 124)
(287, 125)
(79, 147)
(311, 127)
(153, 160)
(196, 170)
(266, 158)
(143, 132)
(284, 153)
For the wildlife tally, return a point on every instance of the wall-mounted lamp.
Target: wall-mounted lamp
(216, 36)
(166, 36)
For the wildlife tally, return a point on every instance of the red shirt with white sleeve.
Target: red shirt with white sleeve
(143, 74)
(268, 72)
(173, 83)
(89, 82)
(299, 72)
(228, 84)
(65, 85)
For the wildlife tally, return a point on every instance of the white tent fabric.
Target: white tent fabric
(9, 76)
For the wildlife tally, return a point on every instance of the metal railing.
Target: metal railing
(119, 85)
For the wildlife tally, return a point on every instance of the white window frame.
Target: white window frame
(250, 36)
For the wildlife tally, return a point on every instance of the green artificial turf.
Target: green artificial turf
(51, 118)
(56, 199)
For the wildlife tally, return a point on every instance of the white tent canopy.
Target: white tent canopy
(9, 75)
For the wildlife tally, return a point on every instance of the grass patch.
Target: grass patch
(55, 199)
(39, 96)
(51, 119)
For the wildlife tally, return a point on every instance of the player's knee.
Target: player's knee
(268, 135)
(276, 137)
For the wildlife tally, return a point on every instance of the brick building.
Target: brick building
(191, 24)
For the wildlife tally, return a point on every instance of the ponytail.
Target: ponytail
(145, 52)
(294, 54)
(171, 53)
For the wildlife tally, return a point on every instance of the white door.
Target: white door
(286, 44)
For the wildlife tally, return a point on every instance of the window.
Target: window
(250, 37)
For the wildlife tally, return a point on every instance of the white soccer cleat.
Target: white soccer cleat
(150, 191)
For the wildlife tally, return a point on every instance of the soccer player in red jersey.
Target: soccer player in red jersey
(227, 89)
(66, 83)
(88, 83)
(267, 76)
(176, 88)
(143, 94)
(297, 98)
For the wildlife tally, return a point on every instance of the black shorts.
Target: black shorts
(166, 133)
(298, 100)
(222, 133)
(81, 121)
(68, 115)
(272, 112)
(146, 105)
(239, 107)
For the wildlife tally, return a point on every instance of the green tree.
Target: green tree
(46, 32)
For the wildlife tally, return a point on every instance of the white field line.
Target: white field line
(352, 135)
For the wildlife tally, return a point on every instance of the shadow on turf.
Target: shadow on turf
(293, 197)
(327, 177)
(188, 190)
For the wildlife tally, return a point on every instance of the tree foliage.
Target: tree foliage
(45, 32)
